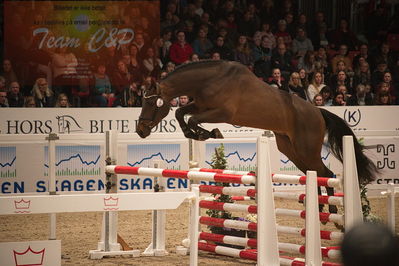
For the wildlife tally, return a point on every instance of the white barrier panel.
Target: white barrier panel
(91, 202)
(44, 253)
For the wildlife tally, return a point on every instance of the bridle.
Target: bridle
(141, 117)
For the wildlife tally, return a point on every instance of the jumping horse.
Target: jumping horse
(228, 92)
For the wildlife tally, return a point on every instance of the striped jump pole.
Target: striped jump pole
(232, 252)
(326, 235)
(327, 252)
(289, 261)
(301, 180)
(331, 200)
(222, 171)
(170, 173)
(231, 191)
(324, 216)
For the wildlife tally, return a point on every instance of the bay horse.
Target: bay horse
(228, 92)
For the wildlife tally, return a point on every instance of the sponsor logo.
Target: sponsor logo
(385, 162)
(67, 124)
(352, 117)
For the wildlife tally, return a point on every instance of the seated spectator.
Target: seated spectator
(3, 83)
(327, 95)
(183, 100)
(194, 58)
(378, 75)
(64, 65)
(362, 75)
(383, 54)
(170, 67)
(166, 43)
(308, 62)
(215, 56)
(387, 79)
(361, 97)
(242, 52)
(152, 65)
(202, 44)
(262, 57)
(318, 100)
(174, 102)
(295, 86)
(320, 38)
(343, 36)
(222, 49)
(341, 56)
(102, 92)
(363, 53)
(266, 30)
(133, 63)
(43, 95)
(382, 98)
(227, 37)
(282, 32)
(14, 96)
(304, 78)
(8, 73)
(3, 99)
(180, 51)
(344, 90)
(339, 100)
(316, 85)
(282, 60)
(321, 58)
(340, 79)
(130, 97)
(62, 101)
(121, 79)
(301, 44)
(277, 80)
(29, 101)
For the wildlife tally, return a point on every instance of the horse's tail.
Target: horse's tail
(337, 128)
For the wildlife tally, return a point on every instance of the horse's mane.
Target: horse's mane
(198, 64)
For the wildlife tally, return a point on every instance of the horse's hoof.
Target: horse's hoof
(203, 135)
(190, 135)
(332, 209)
(216, 134)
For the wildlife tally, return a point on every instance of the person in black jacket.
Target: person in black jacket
(14, 96)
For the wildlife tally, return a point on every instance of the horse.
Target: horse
(228, 92)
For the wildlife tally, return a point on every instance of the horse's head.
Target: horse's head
(153, 110)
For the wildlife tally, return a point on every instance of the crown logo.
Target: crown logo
(29, 257)
(111, 203)
(22, 206)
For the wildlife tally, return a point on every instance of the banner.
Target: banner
(72, 37)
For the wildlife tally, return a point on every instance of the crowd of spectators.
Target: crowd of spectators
(324, 64)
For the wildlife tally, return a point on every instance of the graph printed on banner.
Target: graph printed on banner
(8, 157)
(75, 161)
(239, 156)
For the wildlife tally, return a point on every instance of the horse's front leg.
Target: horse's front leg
(209, 116)
(180, 113)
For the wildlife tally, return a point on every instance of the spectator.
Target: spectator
(64, 65)
(222, 49)
(183, 100)
(363, 53)
(302, 23)
(320, 37)
(341, 56)
(169, 21)
(282, 60)
(262, 57)
(247, 24)
(130, 97)
(327, 95)
(202, 44)
(282, 32)
(62, 101)
(243, 53)
(344, 90)
(227, 37)
(316, 85)
(383, 98)
(152, 65)
(133, 63)
(141, 45)
(180, 51)
(339, 100)
(361, 97)
(14, 96)
(387, 79)
(318, 23)
(295, 86)
(266, 31)
(215, 56)
(170, 67)
(291, 25)
(277, 80)
(164, 51)
(174, 102)
(29, 101)
(383, 54)
(3, 98)
(43, 95)
(318, 100)
(308, 62)
(301, 44)
(304, 78)
(370, 244)
(343, 36)
(194, 58)
(8, 73)
(102, 92)
(321, 59)
(378, 75)
(340, 79)
(121, 79)
(362, 75)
